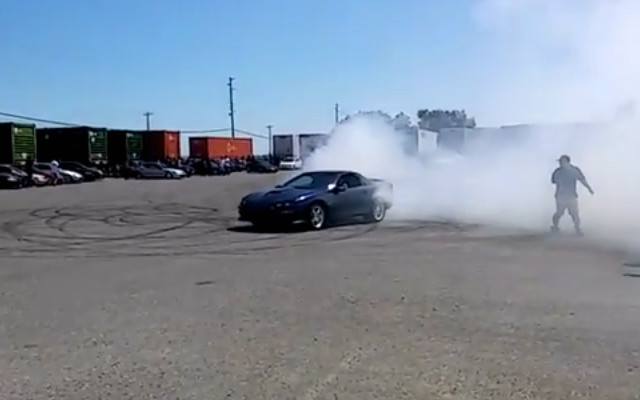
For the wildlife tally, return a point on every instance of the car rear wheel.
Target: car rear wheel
(378, 211)
(317, 216)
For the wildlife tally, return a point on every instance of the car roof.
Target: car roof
(330, 171)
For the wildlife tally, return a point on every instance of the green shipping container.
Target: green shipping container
(81, 144)
(123, 146)
(17, 143)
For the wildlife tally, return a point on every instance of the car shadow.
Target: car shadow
(290, 229)
(298, 228)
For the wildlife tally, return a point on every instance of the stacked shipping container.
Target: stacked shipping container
(123, 146)
(17, 143)
(82, 144)
(209, 148)
(160, 145)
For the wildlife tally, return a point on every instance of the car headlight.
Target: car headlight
(303, 197)
(12, 179)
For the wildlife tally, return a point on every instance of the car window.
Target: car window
(311, 180)
(350, 180)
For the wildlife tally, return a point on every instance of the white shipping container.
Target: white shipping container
(427, 141)
(285, 146)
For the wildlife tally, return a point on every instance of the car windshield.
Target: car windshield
(311, 180)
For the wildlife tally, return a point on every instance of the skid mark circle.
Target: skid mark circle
(168, 229)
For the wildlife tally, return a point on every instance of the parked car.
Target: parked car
(70, 176)
(176, 173)
(50, 171)
(188, 169)
(12, 177)
(40, 180)
(88, 173)
(261, 166)
(153, 170)
(291, 163)
(206, 167)
(318, 199)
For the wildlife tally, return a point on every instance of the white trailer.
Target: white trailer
(285, 146)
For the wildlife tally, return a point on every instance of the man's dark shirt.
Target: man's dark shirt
(565, 179)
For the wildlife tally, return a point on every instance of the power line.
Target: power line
(62, 123)
(216, 130)
(256, 135)
(34, 119)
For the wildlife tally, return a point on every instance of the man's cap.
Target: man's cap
(564, 157)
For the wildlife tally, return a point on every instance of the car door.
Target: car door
(348, 201)
(149, 170)
(156, 171)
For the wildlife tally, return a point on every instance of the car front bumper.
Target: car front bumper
(273, 214)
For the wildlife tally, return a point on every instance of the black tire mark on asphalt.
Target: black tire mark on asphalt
(33, 231)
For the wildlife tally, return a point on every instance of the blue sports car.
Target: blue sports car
(319, 198)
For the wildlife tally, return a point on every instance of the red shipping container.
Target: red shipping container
(160, 145)
(220, 147)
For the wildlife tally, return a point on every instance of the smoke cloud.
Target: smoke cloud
(561, 61)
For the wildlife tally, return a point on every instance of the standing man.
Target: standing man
(29, 169)
(565, 178)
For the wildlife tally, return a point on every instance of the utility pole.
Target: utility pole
(148, 115)
(270, 127)
(337, 112)
(231, 110)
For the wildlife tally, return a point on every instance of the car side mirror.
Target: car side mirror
(338, 189)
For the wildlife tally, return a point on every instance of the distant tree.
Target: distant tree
(435, 120)
(402, 121)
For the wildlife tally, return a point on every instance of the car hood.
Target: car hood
(280, 194)
(20, 173)
(175, 170)
(72, 174)
(94, 171)
(7, 176)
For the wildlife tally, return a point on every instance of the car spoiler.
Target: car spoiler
(381, 182)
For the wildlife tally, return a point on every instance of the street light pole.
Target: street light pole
(270, 127)
(231, 108)
(148, 115)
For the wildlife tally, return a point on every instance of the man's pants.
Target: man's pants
(567, 203)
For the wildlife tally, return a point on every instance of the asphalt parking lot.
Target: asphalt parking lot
(151, 289)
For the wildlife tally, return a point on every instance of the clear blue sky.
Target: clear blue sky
(105, 62)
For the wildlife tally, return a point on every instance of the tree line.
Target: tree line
(433, 120)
